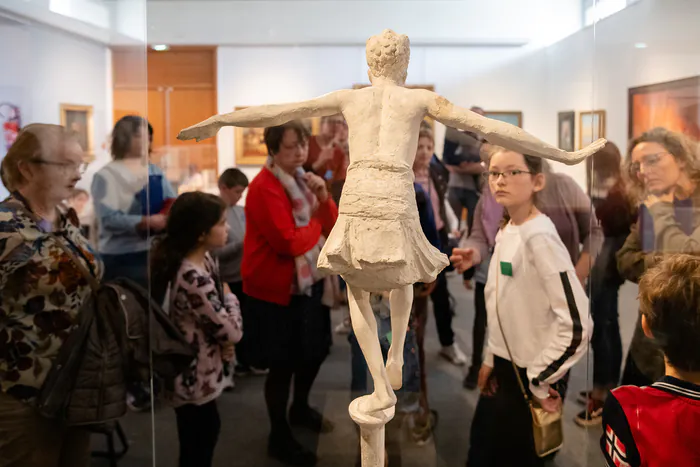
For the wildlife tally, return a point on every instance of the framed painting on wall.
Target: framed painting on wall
(591, 127)
(512, 117)
(566, 130)
(250, 142)
(428, 87)
(78, 119)
(674, 105)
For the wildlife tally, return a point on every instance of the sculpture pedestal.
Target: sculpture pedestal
(371, 433)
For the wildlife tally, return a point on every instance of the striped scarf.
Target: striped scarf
(304, 203)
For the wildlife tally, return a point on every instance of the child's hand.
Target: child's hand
(552, 403)
(227, 352)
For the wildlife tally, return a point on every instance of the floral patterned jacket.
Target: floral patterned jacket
(207, 322)
(41, 292)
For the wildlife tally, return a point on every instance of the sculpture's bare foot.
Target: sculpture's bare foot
(394, 372)
(200, 131)
(375, 402)
(588, 151)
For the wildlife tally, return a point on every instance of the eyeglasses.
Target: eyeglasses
(649, 160)
(63, 166)
(493, 176)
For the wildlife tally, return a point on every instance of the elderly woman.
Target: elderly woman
(41, 292)
(288, 214)
(664, 174)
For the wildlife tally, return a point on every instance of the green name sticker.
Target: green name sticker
(506, 269)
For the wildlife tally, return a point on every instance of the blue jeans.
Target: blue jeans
(411, 367)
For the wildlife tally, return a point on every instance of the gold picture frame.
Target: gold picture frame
(591, 126)
(250, 143)
(79, 120)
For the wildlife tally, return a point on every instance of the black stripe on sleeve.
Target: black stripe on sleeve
(576, 337)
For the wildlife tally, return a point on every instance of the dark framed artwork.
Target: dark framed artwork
(674, 105)
(78, 119)
(566, 129)
(512, 117)
(591, 127)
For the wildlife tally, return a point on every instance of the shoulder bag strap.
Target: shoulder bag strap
(94, 285)
(500, 325)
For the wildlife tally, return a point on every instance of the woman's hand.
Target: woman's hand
(653, 198)
(324, 156)
(464, 258)
(156, 222)
(317, 186)
(487, 385)
(551, 404)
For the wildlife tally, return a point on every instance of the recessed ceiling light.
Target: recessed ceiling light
(640, 45)
(161, 47)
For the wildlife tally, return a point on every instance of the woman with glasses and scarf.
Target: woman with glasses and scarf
(289, 213)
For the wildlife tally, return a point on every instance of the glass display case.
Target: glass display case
(125, 77)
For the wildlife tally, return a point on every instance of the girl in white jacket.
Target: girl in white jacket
(543, 310)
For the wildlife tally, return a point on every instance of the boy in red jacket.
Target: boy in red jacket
(658, 425)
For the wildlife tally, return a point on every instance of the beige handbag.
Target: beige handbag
(546, 426)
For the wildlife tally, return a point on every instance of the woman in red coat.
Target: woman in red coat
(288, 215)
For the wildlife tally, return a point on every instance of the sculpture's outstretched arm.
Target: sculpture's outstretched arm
(266, 115)
(501, 133)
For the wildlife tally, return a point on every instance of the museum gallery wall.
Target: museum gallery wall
(580, 73)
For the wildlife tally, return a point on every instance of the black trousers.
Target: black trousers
(501, 432)
(296, 340)
(606, 342)
(443, 311)
(247, 353)
(198, 429)
(480, 324)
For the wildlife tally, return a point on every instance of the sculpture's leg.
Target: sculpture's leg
(401, 301)
(365, 326)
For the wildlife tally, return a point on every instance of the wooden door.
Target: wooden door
(173, 90)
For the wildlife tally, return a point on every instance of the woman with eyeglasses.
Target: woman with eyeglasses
(41, 292)
(664, 175)
(289, 213)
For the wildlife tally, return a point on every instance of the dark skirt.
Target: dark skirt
(290, 335)
(501, 432)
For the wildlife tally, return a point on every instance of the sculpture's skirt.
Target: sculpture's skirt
(377, 243)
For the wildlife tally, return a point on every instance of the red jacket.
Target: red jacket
(272, 239)
(655, 426)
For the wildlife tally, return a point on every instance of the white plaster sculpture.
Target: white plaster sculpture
(377, 243)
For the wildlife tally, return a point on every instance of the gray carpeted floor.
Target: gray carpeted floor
(245, 426)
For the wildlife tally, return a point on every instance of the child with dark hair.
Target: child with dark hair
(658, 425)
(205, 311)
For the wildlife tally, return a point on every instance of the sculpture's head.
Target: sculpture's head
(388, 54)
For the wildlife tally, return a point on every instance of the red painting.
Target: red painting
(674, 105)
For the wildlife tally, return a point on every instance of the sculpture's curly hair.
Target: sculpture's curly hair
(388, 54)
